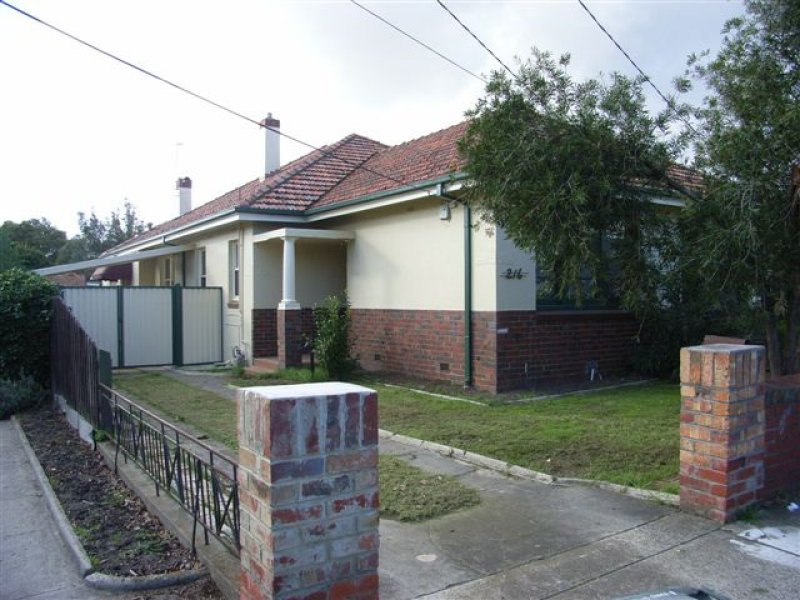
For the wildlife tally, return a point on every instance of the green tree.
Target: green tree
(25, 311)
(561, 165)
(745, 231)
(98, 235)
(31, 244)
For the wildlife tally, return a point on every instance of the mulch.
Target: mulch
(118, 533)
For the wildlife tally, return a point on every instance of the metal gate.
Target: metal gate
(148, 326)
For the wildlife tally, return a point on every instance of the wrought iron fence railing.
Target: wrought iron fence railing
(201, 479)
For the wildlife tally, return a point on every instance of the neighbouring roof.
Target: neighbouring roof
(351, 168)
(68, 279)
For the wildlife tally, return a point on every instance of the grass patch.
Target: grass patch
(290, 376)
(628, 436)
(182, 403)
(410, 494)
(407, 493)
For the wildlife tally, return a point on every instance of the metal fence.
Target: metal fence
(147, 326)
(201, 479)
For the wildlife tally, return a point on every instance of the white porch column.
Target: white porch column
(288, 302)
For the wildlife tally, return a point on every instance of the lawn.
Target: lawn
(181, 403)
(628, 436)
(407, 493)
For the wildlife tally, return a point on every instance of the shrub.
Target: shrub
(25, 312)
(23, 393)
(332, 343)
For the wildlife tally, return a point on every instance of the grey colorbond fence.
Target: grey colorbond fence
(149, 326)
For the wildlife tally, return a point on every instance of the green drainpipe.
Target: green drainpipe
(467, 296)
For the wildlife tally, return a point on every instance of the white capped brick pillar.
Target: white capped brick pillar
(308, 481)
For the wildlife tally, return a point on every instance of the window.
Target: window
(201, 267)
(546, 298)
(233, 262)
(166, 271)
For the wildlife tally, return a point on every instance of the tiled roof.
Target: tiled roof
(295, 186)
(352, 168)
(431, 156)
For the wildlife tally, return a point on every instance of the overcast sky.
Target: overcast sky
(79, 132)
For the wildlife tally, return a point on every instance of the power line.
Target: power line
(646, 77)
(477, 39)
(418, 41)
(206, 99)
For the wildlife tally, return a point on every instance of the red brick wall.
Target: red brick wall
(420, 343)
(557, 345)
(554, 345)
(265, 332)
(782, 436)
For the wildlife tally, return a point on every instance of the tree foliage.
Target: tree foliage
(31, 244)
(98, 235)
(561, 165)
(25, 312)
(746, 230)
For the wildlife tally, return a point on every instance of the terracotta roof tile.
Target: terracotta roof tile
(331, 175)
(295, 186)
(425, 158)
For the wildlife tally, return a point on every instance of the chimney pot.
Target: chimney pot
(184, 187)
(272, 149)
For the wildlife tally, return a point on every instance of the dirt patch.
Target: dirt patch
(120, 536)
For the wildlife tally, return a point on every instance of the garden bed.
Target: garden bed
(118, 533)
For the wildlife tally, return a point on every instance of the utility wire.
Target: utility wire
(477, 39)
(670, 104)
(208, 100)
(418, 41)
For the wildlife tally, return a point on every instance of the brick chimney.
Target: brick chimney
(272, 150)
(184, 187)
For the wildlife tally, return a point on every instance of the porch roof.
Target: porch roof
(297, 233)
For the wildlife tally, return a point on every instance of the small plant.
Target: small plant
(100, 435)
(20, 394)
(332, 344)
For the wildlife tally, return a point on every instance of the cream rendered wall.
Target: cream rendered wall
(268, 269)
(217, 275)
(484, 267)
(321, 270)
(146, 272)
(405, 257)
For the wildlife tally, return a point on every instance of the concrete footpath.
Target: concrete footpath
(34, 560)
(534, 540)
(526, 540)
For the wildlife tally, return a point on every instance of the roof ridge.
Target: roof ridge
(427, 135)
(326, 151)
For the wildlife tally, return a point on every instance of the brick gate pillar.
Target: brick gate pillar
(722, 429)
(308, 485)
